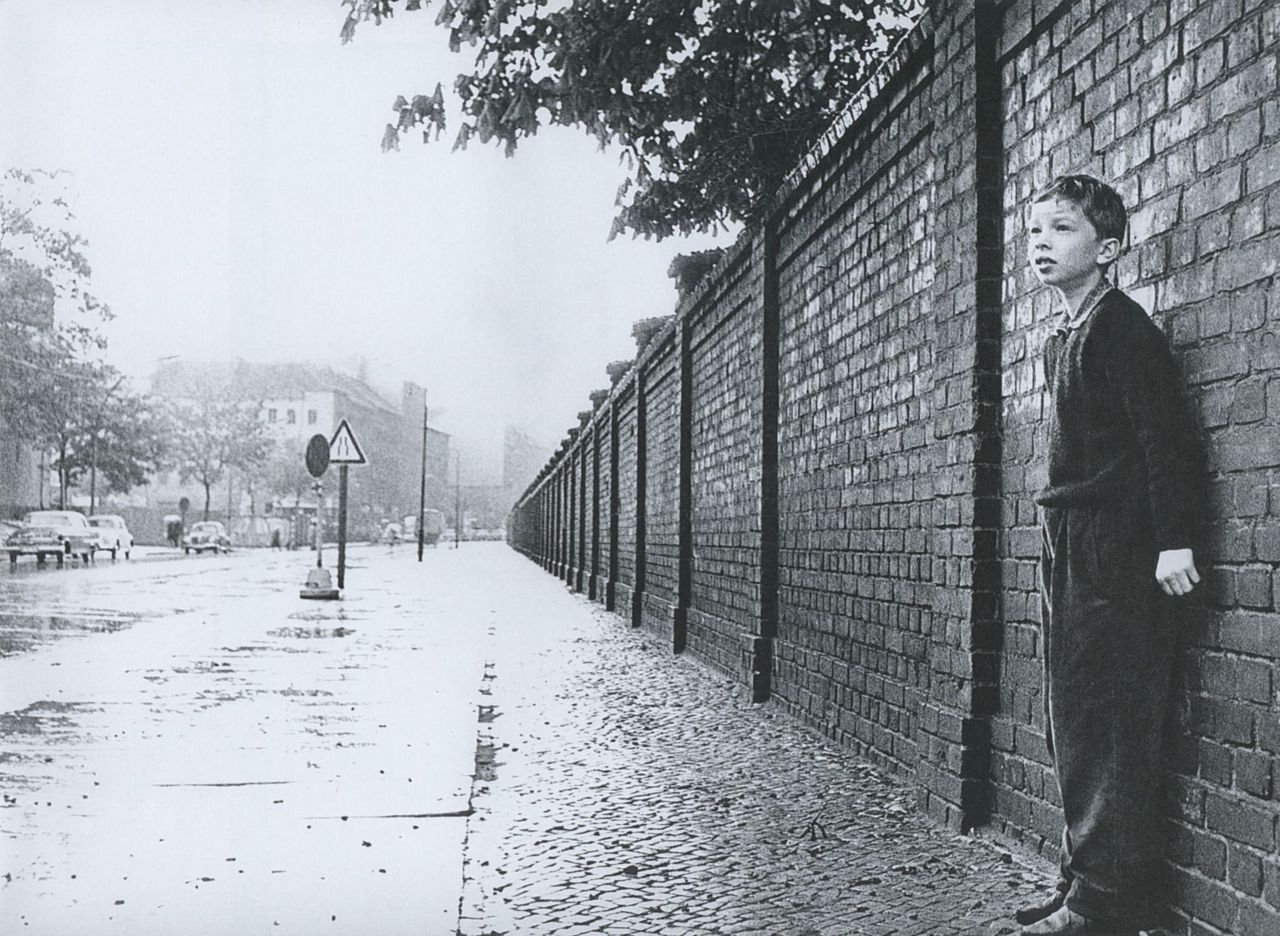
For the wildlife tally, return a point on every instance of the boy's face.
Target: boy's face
(1064, 248)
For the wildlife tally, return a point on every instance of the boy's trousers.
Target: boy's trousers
(1108, 654)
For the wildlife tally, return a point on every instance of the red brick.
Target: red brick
(1253, 773)
(1244, 871)
(1245, 88)
(1213, 901)
(1254, 681)
(1210, 20)
(1239, 822)
(1180, 124)
(1211, 193)
(1209, 855)
(1257, 920)
(1263, 168)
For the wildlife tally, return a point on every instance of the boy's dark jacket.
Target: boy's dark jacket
(1119, 426)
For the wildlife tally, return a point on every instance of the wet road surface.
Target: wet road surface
(188, 747)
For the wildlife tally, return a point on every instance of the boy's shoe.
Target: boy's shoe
(1034, 913)
(1066, 922)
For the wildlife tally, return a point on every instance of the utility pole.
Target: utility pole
(422, 487)
(457, 501)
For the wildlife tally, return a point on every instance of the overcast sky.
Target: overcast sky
(227, 172)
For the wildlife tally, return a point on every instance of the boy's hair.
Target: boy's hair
(1099, 202)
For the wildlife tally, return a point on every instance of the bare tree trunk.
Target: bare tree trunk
(208, 496)
(63, 475)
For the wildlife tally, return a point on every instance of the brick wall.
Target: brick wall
(625, 560)
(662, 504)
(1175, 104)
(855, 495)
(727, 375)
(602, 427)
(836, 500)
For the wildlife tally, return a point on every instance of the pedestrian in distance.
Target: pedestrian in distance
(1118, 521)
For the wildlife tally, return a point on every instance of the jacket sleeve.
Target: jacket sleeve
(1145, 379)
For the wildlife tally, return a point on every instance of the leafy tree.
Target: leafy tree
(50, 386)
(711, 103)
(129, 441)
(284, 474)
(58, 415)
(214, 434)
(93, 425)
(43, 267)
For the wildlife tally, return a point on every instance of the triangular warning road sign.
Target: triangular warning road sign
(343, 447)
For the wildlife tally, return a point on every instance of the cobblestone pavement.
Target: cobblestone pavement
(622, 790)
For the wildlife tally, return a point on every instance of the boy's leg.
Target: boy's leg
(1052, 529)
(1108, 662)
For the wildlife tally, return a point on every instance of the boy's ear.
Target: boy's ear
(1108, 251)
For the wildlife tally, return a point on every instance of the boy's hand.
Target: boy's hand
(1176, 571)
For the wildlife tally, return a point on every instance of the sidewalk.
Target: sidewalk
(633, 792)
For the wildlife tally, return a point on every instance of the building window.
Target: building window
(271, 415)
(311, 417)
(291, 417)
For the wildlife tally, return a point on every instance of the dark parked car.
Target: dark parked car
(206, 535)
(57, 533)
(7, 529)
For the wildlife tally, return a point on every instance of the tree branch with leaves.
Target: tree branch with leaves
(710, 104)
(215, 434)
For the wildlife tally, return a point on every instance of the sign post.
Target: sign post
(317, 488)
(422, 489)
(344, 450)
(342, 526)
(318, 584)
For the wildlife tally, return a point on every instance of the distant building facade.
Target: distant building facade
(296, 401)
(21, 480)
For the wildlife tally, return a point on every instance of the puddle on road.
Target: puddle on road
(337, 614)
(309, 633)
(311, 693)
(21, 632)
(41, 718)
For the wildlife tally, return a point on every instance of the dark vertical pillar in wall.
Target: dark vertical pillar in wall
(548, 530)
(642, 419)
(610, 600)
(558, 569)
(571, 515)
(684, 493)
(762, 650)
(953, 772)
(579, 580)
(593, 579)
(530, 526)
(544, 495)
(988, 631)
(562, 488)
(553, 528)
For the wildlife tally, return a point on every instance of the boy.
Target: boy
(1118, 517)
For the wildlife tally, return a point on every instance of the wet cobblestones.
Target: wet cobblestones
(631, 792)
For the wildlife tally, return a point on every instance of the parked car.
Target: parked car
(57, 533)
(7, 529)
(113, 534)
(207, 534)
(432, 526)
